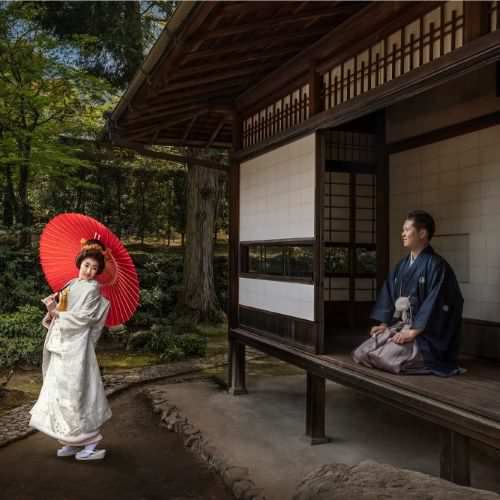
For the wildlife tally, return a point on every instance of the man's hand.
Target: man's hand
(405, 336)
(376, 330)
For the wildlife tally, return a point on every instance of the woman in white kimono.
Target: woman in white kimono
(72, 405)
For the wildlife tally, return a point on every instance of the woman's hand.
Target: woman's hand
(405, 336)
(377, 330)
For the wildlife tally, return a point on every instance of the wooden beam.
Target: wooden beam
(475, 55)
(177, 141)
(249, 45)
(254, 28)
(216, 132)
(214, 77)
(149, 122)
(161, 155)
(171, 56)
(200, 91)
(360, 30)
(234, 61)
(189, 127)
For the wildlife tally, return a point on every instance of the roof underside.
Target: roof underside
(221, 50)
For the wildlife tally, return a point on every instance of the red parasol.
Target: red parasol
(60, 243)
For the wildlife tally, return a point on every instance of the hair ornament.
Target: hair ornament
(94, 246)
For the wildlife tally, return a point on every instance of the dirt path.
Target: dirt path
(143, 462)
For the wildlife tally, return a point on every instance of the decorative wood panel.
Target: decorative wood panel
(290, 330)
(425, 39)
(285, 113)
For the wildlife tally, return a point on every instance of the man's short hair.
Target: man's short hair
(422, 220)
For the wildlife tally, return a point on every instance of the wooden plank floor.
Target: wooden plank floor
(478, 390)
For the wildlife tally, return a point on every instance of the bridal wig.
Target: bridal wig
(93, 249)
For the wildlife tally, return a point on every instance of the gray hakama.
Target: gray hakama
(381, 352)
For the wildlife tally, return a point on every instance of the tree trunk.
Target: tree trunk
(24, 209)
(118, 177)
(9, 199)
(199, 300)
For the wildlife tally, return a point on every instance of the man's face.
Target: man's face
(412, 238)
(88, 269)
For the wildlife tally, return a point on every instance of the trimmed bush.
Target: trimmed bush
(21, 337)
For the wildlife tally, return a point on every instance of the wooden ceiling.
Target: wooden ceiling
(221, 51)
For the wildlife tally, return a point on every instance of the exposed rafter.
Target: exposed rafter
(162, 155)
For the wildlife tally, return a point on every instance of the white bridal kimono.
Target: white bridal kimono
(72, 405)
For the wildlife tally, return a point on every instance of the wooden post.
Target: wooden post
(237, 365)
(455, 457)
(236, 370)
(476, 17)
(315, 409)
(382, 202)
(319, 271)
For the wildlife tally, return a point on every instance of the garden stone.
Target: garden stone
(370, 480)
(240, 487)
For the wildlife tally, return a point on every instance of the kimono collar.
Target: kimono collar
(426, 250)
(409, 271)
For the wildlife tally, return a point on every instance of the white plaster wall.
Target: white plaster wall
(292, 299)
(458, 182)
(277, 193)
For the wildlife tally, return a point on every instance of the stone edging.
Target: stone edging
(236, 478)
(14, 423)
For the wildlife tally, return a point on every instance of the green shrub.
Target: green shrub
(22, 280)
(173, 347)
(21, 337)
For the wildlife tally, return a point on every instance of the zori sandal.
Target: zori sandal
(90, 454)
(67, 451)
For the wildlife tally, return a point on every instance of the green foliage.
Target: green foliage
(173, 346)
(21, 337)
(22, 280)
(160, 278)
(111, 37)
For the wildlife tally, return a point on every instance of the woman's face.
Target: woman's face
(88, 269)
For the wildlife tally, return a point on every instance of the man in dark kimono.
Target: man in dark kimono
(420, 310)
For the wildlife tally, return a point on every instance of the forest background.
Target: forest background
(63, 67)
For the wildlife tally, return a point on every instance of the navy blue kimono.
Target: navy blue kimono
(436, 303)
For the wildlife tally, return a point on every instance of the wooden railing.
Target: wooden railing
(283, 114)
(425, 39)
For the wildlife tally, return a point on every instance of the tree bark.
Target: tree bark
(199, 299)
(9, 199)
(24, 209)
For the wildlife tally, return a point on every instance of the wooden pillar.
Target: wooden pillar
(476, 20)
(315, 100)
(455, 463)
(237, 368)
(315, 409)
(382, 202)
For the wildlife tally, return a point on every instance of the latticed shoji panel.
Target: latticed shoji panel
(349, 217)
